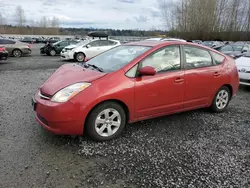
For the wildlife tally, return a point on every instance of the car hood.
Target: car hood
(243, 62)
(70, 46)
(66, 75)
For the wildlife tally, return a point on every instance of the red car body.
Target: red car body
(142, 97)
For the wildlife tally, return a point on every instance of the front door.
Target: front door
(162, 93)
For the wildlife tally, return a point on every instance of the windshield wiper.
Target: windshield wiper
(94, 66)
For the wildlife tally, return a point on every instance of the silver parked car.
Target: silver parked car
(15, 48)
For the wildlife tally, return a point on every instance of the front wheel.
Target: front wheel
(221, 99)
(52, 52)
(80, 57)
(106, 121)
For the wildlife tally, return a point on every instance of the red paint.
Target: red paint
(145, 96)
(2, 49)
(147, 71)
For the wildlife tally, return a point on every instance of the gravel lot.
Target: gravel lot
(192, 149)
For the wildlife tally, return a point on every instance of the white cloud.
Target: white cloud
(118, 14)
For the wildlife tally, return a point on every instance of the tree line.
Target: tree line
(46, 25)
(51, 26)
(207, 19)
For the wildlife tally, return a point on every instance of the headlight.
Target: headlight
(68, 92)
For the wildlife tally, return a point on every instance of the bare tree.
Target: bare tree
(55, 22)
(207, 18)
(20, 16)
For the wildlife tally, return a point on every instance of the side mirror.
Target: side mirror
(147, 71)
(88, 46)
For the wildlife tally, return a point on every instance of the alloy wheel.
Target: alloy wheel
(222, 99)
(108, 122)
(17, 53)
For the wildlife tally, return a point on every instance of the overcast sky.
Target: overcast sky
(118, 14)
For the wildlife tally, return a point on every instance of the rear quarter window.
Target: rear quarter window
(218, 59)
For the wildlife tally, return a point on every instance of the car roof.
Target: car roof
(163, 43)
(153, 43)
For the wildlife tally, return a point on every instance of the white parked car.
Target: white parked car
(243, 66)
(88, 49)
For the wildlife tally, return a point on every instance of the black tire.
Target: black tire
(91, 120)
(215, 107)
(17, 53)
(52, 52)
(79, 57)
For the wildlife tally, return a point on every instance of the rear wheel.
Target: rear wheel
(106, 121)
(221, 99)
(17, 53)
(80, 57)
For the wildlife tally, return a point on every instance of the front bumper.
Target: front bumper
(67, 55)
(244, 78)
(59, 118)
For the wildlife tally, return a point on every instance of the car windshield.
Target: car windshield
(207, 43)
(237, 48)
(82, 43)
(57, 42)
(117, 57)
(227, 48)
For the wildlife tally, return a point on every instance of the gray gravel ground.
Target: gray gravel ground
(192, 149)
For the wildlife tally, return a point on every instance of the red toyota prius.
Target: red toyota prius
(133, 82)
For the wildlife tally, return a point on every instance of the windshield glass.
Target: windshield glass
(207, 43)
(118, 57)
(57, 42)
(227, 48)
(238, 48)
(82, 43)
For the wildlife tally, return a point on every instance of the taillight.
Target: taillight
(2, 49)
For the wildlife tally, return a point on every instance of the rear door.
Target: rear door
(8, 44)
(202, 77)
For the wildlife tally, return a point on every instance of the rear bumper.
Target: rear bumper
(4, 55)
(26, 51)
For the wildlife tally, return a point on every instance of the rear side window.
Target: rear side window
(112, 43)
(218, 59)
(197, 58)
(4, 41)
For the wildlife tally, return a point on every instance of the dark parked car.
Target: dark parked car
(28, 40)
(56, 48)
(235, 50)
(197, 41)
(39, 40)
(3, 53)
(52, 40)
(213, 44)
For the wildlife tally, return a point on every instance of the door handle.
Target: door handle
(179, 80)
(217, 74)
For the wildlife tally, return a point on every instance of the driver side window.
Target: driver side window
(95, 43)
(166, 59)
